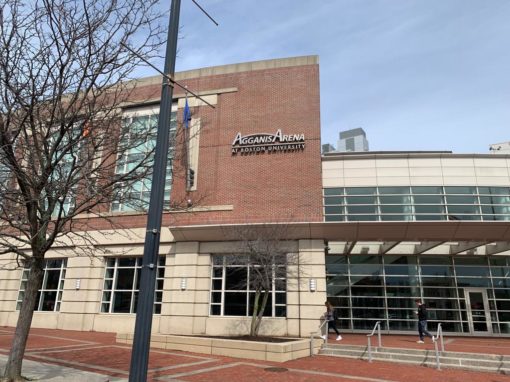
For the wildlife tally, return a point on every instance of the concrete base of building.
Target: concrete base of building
(262, 351)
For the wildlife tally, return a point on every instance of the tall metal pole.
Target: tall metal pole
(143, 325)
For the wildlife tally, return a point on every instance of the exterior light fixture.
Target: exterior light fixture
(77, 284)
(313, 285)
(184, 283)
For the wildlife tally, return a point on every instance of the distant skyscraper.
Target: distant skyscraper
(327, 148)
(500, 148)
(353, 140)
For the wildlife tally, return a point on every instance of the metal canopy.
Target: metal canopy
(382, 238)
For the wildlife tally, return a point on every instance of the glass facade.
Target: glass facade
(466, 294)
(140, 140)
(405, 203)
(122, 283)
(232, 293)
(49, 296)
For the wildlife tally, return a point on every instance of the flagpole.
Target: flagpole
(145, 304)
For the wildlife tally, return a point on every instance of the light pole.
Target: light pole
(145, 306)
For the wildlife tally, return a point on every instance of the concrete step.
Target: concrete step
(482, 362)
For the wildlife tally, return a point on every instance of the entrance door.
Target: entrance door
(478, 310)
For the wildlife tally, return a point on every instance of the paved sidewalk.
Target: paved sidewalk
(40, 371)
(58, 355)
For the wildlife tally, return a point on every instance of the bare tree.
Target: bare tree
(64, 71)
(271, 259)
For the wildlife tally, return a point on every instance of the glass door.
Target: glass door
(478, 310)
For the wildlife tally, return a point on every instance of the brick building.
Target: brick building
(372, 231)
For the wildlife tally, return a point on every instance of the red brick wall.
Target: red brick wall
(276, 187)
(282, 186)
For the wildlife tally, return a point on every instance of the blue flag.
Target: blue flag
(187, 115)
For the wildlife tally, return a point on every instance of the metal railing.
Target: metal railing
(439, 337)
(369, 339)
(312, 335)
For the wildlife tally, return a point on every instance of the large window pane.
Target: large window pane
(50, 290)
(122, 282)
(237, 299)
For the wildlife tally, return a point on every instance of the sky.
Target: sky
(414, 74)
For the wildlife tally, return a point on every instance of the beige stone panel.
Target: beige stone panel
(313, 312)
(306, 245)
(190, 247)
(310, 326)
(391, 162)
(199, 325)
(118, 323)
(293, 327)
(292, 311)
(488, 171)
(493, 181)
(48, 320)
(94, 273)
(315, 298)
(332, 173)
(292, 298)
(238, 345)
(336, 182)
(491, 162)
(204, 260)
(83, 284)
(426, 171)
(333, 165)
(426, 181)
(82, 295)
(177, 325)
(10, 284)
(359, 182)
(8, 318)
(8, 299)
(459, 181)
(218, 247)
(360, 173)
(189, 296)
(393, 181)
(203, 283)
(393, 172)
(459, 171)
(189, 348)
(76, 321)
(359, 163)
(77, 306)
(424, 162)
(241, 326)
(181, 308)
(457, 162)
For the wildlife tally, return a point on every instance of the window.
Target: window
(138, 141)
(402, 203)
(231, 294)
(49, 296)
(122, 283)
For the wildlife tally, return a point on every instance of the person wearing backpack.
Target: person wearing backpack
(331, 316)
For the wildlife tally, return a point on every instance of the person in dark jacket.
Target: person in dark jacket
(422, 322)
(330, 316)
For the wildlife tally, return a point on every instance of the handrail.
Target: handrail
(320, 333)
(369, 336)
(439, 336)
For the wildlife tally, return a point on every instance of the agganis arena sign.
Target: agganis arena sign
(263, 142)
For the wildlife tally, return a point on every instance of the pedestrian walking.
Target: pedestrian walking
(331, 316)
(422, 322)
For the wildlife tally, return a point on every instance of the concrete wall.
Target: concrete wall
(416, 170)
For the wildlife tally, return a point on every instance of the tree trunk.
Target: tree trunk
(19, 342)
(258, 312)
